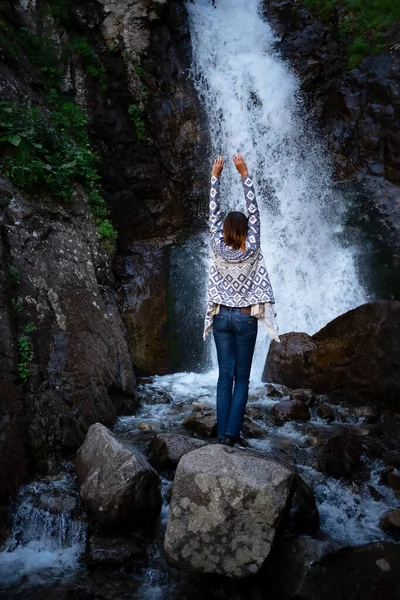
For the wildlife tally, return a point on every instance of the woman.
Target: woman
(239, 294)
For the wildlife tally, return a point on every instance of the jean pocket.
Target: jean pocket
(220, 323)
(246, 324)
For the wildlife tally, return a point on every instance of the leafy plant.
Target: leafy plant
(136, 115)
(362, 21)
(15, 277)
(16, 304)
(26, 356)
(30, 327)
(50, 153)
(90, 61)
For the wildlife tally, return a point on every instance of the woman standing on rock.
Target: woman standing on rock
(239, 294)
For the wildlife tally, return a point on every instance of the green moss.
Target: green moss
(136, 115)
(25, 357)
(362, 22)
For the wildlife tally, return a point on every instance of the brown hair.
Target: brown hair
(235, 230)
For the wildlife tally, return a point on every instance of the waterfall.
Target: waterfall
(253, 105)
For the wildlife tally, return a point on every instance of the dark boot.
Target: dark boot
(229, 440)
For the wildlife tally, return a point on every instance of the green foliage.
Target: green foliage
(42, 53)
(90, 60)
(15, 277)
(136, 115)
(363, 21)
(26, 356)
(16, 304)
(30, 327)
(50, 153)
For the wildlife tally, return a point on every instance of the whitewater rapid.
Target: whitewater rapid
(254, 106)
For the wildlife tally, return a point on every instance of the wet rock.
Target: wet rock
(376, 495)
(356, 109)
(325, 412)
(390, 522)
(355, 358)
(202, 421)
(288, 410)
(116, 483)
(369, 414)
(391, 478)
(304, 515)
(296, 556)
(166, 450)
(252, 430)
(341, 455)
(225, 509)
(369, 571)
(308, 397)
(112, 553)
(276, 391)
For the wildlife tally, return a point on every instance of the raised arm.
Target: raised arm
(253, 235)
(215, 220)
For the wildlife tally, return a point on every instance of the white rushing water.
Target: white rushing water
(253, 105)
(48, 535)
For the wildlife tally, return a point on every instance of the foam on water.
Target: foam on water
(253, 105)
(47, 538)
(349, 513)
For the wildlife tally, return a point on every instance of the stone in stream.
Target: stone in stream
(304, 515)
(166, 449)
(117, 483)
(341, 454)
(202, 420)
(226, 507)
(293, 560)
(291, 410)
(352, 573)
(325, 412)
(369, 414)
(355, 358)
(390, 522)
(308, 397)
(391, 477)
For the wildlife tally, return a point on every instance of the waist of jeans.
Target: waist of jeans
(244, 310)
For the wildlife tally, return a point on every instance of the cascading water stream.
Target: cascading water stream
(253, 105)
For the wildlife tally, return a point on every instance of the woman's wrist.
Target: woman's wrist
(244, 174)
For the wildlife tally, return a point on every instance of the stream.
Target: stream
(253, 104)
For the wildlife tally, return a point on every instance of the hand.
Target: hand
(217, 166)
(240, 165)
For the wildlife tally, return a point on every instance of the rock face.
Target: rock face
(355, 358)
(116, 483)
(225, 509)
(80, 370)
(357, 109)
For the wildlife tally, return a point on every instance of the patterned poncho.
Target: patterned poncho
(238, 277)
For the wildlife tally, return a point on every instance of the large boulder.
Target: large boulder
(116, 482)
(225, 509)
(355, 357)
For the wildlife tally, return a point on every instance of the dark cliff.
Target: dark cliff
(66, 355)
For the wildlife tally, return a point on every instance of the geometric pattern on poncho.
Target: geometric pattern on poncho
(237, 277)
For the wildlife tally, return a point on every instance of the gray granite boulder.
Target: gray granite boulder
(225, 509)
(117, 483)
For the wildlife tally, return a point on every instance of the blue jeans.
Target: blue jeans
(235, 337)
